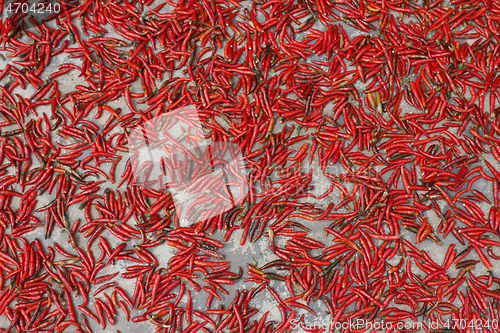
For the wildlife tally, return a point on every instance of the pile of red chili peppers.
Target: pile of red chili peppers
(404, 107)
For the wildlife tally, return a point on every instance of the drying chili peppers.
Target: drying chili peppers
(358, 141)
